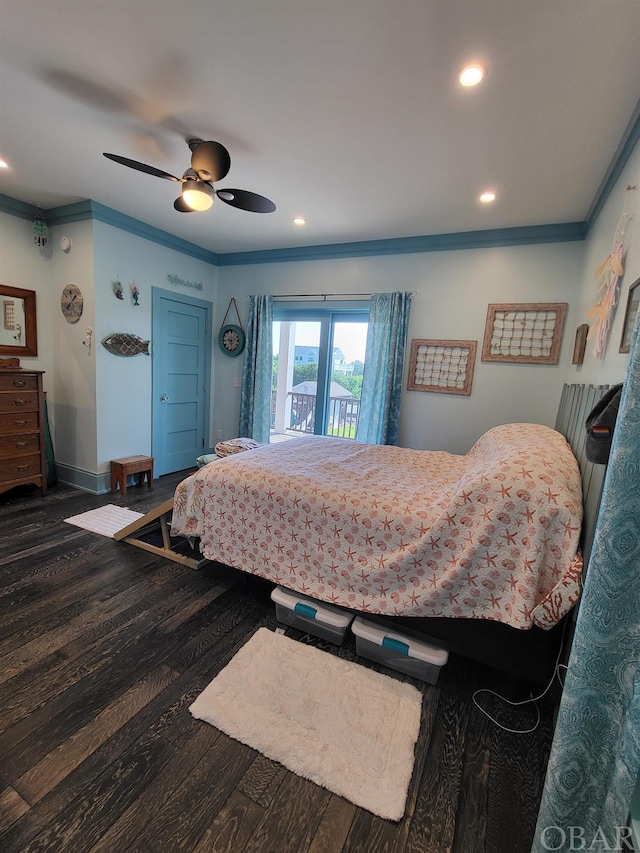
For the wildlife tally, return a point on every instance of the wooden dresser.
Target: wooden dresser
(22, 431)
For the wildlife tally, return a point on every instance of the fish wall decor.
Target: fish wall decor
(122, 343)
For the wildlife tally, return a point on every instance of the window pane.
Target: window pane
(317, 375)
(296, 348)
(347, 366)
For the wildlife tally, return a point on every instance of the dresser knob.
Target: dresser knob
(19, 423)
(21, 443)
(19, 383)
(20, 402)
(23, 467)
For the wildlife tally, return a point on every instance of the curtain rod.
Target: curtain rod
(322, 297)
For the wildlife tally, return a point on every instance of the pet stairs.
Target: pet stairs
(151, 532)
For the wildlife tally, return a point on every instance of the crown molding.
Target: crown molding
(630, 139)
(562, 233)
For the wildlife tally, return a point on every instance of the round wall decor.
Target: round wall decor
(71, 303)
(231, 340)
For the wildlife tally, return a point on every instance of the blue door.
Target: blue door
(181, 372)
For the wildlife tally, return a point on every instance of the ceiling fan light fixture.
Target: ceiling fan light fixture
(471, 75)
(199, 196)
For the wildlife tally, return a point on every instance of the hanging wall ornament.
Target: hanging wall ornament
(231, 338)
(40, 232)
(125, 344)
(609, 273)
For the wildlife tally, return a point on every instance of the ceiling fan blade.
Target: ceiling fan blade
(210, 160)
(246, 200)
(181, 206)
(141, 167)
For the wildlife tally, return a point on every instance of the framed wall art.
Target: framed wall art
(633, 300)
(445, 367)
(524, 333)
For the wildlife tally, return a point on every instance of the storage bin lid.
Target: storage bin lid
(382, 636)
(311, 608)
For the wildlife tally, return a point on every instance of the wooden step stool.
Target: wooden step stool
(121, 468)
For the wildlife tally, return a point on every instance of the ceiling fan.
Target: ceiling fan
(210, 161)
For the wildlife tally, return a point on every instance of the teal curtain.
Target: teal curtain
(595, 755)
(384, 361)
(255, 395)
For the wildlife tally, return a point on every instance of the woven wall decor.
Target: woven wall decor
(526, 333)
(442, 366)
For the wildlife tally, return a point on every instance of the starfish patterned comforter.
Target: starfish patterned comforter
(492, 534)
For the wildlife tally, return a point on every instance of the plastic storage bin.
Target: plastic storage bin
(314, 617)
(400, 652)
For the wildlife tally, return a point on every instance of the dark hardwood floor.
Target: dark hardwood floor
(103, 647)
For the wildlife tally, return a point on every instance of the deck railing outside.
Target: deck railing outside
(342, 416)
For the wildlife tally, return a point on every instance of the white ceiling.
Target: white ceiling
(347, 112)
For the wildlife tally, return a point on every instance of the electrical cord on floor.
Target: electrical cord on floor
(559, 667)
(533, 700)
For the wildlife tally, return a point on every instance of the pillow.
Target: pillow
(206, 458)
(235, 445)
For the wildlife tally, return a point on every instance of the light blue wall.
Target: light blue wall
(452, 291)
(123, 385)
(99, 404)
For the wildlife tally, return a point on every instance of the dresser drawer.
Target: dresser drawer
(20, 468)
(22, 429)
(15, 382)
(19, 423)
(18, 401)
(19, 445)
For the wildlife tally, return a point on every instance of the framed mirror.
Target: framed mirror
(18, 329)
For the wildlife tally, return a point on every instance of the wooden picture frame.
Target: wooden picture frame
(24, 314)
(580, 344)
(524, 333)
(633, 300)
(445, 367)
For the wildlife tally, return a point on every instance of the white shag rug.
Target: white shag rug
(347, 728)
(106, 520)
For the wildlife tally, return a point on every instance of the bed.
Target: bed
(491, 535)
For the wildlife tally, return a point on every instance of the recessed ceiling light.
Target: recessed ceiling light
(488, 197)
(471, 75)
(299, 220)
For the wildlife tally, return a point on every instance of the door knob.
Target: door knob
(164, 398)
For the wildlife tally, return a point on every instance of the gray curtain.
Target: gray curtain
(595, 756)
(384, 361)
(255, 395)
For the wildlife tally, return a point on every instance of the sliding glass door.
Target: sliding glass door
(317, 372)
